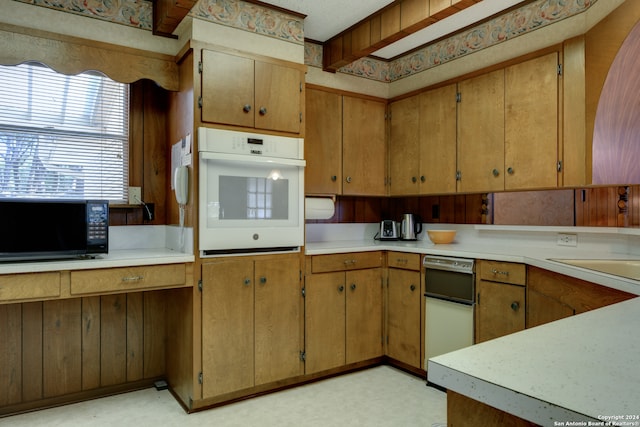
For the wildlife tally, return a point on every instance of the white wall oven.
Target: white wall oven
(251, 195)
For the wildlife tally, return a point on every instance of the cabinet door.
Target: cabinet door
(404, 147)
(438, 141)
(277, 97)
(500, 310)
(278, 313)
(227, 89)
(363, 315)
(403, 316)
(227, 327)
(323, 142)
(324, 321)
(363, 147)
(481, 133)
(531, 124)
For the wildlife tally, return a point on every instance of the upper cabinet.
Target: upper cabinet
(251, 93)
(344, 144)
(508, 128)
(422, 144)
(363, 146)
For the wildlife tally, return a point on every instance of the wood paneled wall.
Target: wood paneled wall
(58, 351)
(617, 206)
(148, 158)
(457, 209)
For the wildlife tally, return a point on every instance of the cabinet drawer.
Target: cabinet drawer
(127, 279)
(505, 272)
(15, 287)
(348, 261)
(404, 260)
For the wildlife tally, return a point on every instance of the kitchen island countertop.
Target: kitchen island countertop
(579, 369)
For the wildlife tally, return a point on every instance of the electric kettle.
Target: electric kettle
(411, 227)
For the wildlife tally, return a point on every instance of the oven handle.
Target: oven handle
(247, 158)
(450, 299)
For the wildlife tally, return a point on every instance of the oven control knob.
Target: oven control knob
(256, 236)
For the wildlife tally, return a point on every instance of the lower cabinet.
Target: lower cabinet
(343, 310)
(552, 296)
(251, 322)
(404, 309)
(500, 299)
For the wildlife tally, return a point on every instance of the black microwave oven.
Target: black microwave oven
(52, 229)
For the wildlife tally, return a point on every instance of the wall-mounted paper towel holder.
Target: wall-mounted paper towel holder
(319, 207)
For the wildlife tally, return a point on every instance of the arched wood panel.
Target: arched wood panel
(616, 136)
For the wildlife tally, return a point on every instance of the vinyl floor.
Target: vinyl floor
(381, 396)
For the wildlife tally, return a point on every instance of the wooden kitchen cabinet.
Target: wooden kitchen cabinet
(323, 142)
(481, 133)
(422, 147)
(500, 299)
(128, 279)
(531, 124)
(252, 93)
(553, 296)
(345, 144)
(508, 128)
(245, 341)
(29, 286)
(404, 309)
(343, 310)
(363, 147)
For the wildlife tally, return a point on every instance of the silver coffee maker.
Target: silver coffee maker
(411, 227)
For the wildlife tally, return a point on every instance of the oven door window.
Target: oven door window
(239, 194)
(253, 198)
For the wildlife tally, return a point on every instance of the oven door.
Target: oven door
(243, 207)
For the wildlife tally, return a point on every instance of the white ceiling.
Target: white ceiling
(327, 18)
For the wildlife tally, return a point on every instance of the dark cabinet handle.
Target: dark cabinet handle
(340, 288)
(263, 280)
(247, 282)
(353, 286)
(515, 306)
(422, 178)
(414, 179)
(510, 171)
(412, 287)
(495, 172)
(263, 111)
(246, 108)
(334, 178)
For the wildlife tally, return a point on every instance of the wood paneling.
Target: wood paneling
(54, 350)
(72, 55)
(386, 26)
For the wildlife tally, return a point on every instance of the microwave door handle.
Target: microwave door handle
(245, 158)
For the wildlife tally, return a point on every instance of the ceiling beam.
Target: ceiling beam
(167, 14)
(385, 27)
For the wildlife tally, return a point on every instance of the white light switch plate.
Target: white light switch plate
(135, 195)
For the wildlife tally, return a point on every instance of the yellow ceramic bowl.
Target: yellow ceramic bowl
(441, 236)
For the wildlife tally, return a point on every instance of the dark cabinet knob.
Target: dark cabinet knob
(263, 280)
(412, 287)
(353, 286)
(515, 306)
(334, 178)
(263, 111)
(246, 108)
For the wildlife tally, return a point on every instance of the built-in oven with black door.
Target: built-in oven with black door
(449, 304)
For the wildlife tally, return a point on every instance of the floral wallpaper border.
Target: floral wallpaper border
(132, 13)
(233, 13)
(251, 17)
(528, 18)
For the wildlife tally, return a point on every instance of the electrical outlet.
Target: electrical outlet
(135, 195)
(567, 239)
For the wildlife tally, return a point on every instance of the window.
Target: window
(64, 137)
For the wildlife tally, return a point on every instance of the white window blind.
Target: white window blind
(64, 137)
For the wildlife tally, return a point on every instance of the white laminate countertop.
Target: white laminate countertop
(532, 246)
(116, 258)
(580, 369)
